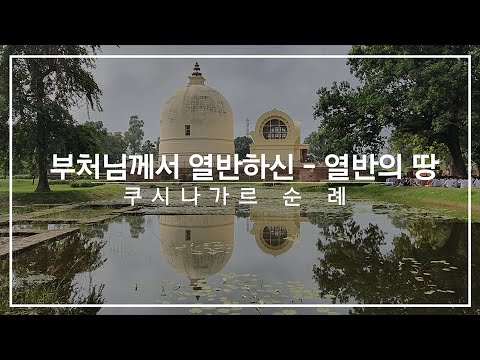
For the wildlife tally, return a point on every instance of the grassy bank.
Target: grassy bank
(450, 201)
(23, 194)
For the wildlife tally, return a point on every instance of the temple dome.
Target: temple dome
(196, 119)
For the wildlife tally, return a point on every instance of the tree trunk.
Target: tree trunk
(42, 184)
(42, 156)
(42, 129)
(458, 168)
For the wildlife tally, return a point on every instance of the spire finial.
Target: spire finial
(196, 70)
(196, 78)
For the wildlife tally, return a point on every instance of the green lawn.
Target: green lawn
(453, 201)
(23, 194)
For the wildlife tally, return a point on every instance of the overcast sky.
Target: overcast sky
(251, 86)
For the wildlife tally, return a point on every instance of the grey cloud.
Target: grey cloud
(252, 86)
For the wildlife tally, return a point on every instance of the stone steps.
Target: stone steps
(23, 243)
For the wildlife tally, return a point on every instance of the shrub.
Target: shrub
(83, 184)
(59, 182)
(22, 176)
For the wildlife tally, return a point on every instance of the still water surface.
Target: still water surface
(362, 253)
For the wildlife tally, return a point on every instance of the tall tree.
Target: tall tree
(84, 140)
(44, 92)
(4, 140)
(111, 143)
(349, 123)
(116, 146)
(148, 147)
(242, 146)
(409, 144)
(101, 133)
(157, 148)
(476, 106)
(317, 147)
(412, 96)
(427, 96)
(134, 134)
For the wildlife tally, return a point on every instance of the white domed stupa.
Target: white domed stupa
(196, 119)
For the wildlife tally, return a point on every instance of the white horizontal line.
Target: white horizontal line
(209, 56)
(281, 182)
(241, 305)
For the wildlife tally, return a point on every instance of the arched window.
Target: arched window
(274, 235)
(275, 129)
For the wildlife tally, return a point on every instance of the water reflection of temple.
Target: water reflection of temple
(276, 232)
(197, 246)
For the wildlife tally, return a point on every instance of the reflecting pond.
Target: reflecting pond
(362, 253)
